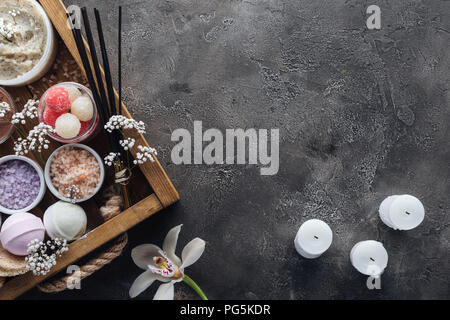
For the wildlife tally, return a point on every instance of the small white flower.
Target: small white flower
(14, 12)
(145, 154)
(111, 158)
(73, 193)
(42, 256)
(5, 108)
(127, 144)
(6, 30)
(120, 122)
(35, 140)
(30, 110)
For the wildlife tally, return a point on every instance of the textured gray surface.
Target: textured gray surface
(362, 115)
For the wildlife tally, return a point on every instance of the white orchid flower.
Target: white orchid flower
(165, 266)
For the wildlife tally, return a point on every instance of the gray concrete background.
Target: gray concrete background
(362, 115)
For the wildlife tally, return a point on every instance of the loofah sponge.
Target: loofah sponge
(11, 265)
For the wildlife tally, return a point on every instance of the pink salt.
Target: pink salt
(75, 167)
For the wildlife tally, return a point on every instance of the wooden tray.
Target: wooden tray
(151, 188)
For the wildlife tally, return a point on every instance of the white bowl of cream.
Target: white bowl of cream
(27, 42)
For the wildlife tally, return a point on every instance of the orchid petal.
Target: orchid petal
(192, 252)
(165, 292)
(142, 282)
(170, 244)
(143, 255)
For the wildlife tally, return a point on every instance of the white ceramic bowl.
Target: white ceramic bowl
(46, 60)
(48, 180)
(41, 178)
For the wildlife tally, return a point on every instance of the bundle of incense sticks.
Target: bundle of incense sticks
(103, 93)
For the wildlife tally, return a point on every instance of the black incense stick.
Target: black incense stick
(107, 69)
(98, 75)
(120, 59)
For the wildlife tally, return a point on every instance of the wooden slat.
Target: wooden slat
(154, 172)
(96, 238)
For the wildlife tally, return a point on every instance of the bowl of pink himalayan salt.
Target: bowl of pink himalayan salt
(22, 184)
(74, 173)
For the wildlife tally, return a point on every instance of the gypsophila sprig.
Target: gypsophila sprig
(42, 255)
(111, 158)
(145, 154)
(36, 140)
(73, 193)
(6, 30)
(127, 144)
(14, 12)
(30, 110)
(120, 122)
(5, 108)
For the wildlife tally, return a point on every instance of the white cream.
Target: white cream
(23, 38)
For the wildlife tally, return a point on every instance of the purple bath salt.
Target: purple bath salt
(19, 184)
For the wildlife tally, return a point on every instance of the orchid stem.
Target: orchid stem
(194, 286)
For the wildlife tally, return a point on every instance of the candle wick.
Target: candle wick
(372, 259)
(316, 237)
(407, 213)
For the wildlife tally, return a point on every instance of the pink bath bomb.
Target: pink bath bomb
(19, 230)
(58, 99)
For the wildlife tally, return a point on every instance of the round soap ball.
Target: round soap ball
(74, 93)
(65, 221)
(67, 126)
(57, 99)
(19, 230)
(83, 108)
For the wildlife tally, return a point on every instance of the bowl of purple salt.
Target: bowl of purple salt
(22, 184)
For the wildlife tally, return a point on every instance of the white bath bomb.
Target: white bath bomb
(74, 93)
(67, 126)
(83, 108)
(65, 220)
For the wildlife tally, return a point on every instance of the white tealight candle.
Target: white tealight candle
(369, 257)
(384, 211)
(313, 238)
(403, 212)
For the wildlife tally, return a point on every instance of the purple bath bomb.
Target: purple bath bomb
(19, 230)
